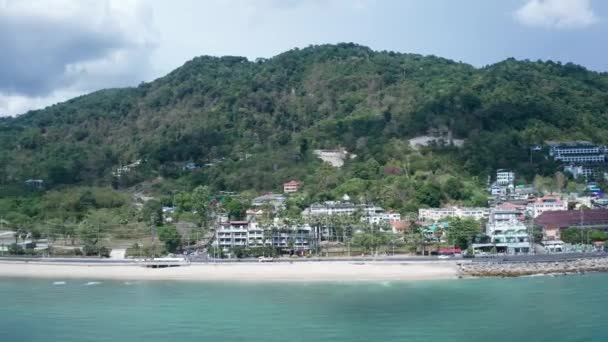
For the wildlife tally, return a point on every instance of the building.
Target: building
(577, 152)
(190, 166)
(34, 184)
(506, 230)
(509, 237)
(504, 177)
(498, 191)
(507, 212)
(439, 214)
(369, 213)
(126, 168)
(232, 234)
(586, 171)
(582, 159)
(291, 186)
(543, 204)
(249, 234)
(400, 226)
(277, 201)
(553, 222)
(335, 158)
(524, 192)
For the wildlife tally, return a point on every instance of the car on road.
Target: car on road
(443, 257)
(265, 259)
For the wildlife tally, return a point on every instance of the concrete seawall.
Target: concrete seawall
(517, 269)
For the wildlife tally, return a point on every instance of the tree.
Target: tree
(371, 239)
(183, 201)
(454, 188)
(537, 234)
(94, 229)
(597, 235)
(152, 212)
(15, 249)
(429, 194)
(170, 237)
(560, 181)
(461, 232)
(571, 235)
(200, 204)
(235, 208)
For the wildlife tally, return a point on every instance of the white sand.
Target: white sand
(302, 271)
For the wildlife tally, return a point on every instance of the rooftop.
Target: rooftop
(293, 182)
(567, 218)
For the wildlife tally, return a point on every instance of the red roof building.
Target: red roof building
(291, 186)
(554, 221)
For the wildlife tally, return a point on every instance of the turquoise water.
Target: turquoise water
(525, 309)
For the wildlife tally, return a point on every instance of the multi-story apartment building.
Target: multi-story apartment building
(506, 230)
(561, 150)
(510, 237)
(249, 234)
(577, 152)
(543, 204)
(504, 177)
(369, 213)
(507, 212)
(580, 158)
(232, 234)
(438, 214)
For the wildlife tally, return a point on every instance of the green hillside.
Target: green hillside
(256, 123)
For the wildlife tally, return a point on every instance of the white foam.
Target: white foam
(59, 283)
(91, 283)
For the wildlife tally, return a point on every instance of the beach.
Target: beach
(302, 271)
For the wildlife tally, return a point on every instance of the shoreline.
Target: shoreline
(254, 272)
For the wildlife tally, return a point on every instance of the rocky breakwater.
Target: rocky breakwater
(518, 269)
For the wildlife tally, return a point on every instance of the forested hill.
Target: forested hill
(258, 121)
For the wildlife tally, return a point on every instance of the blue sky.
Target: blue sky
(54, 50)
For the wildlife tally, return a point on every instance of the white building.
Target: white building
(439, 214)
(498, 191)
(577, 152)
(369, 213)
(510, 237)
(504, 177)
(232, 234)
(540, 205)
(249, 234)
(506, 230)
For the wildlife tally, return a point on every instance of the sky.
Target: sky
(53, 50)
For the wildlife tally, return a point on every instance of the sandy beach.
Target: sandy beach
(303, 271)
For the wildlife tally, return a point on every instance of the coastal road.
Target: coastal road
(397, 258)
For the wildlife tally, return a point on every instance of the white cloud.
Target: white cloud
(560, 14)
(53, 50)
(11, 105)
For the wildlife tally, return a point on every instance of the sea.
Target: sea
(561, 308)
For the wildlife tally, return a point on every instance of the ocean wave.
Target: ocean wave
(59, 283)
(92, 283)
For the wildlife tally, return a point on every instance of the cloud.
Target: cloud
(54, 48)
(559, 14)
